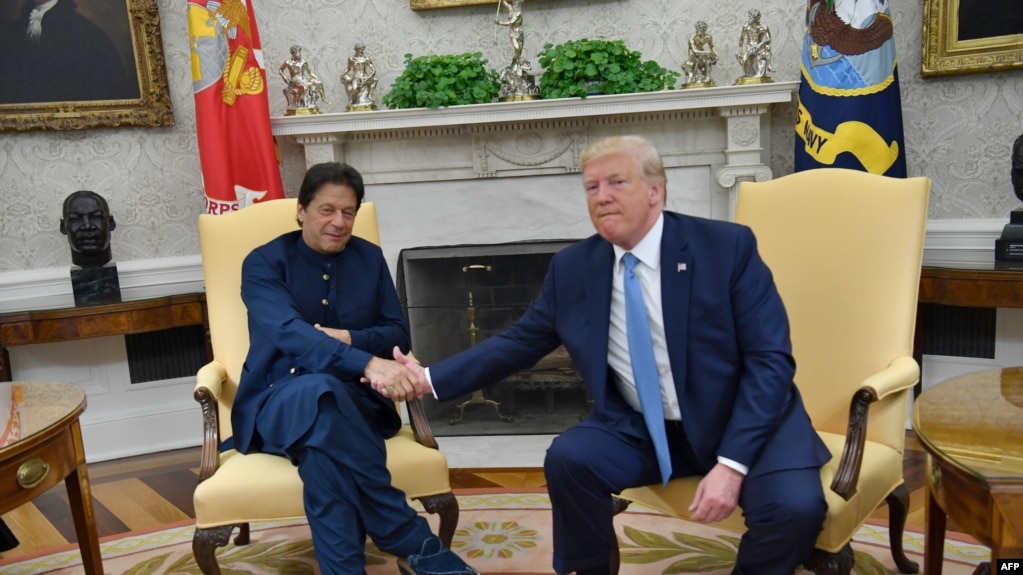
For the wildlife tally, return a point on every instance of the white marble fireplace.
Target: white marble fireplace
(505, 172)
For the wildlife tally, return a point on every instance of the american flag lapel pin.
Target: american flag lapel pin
(681, 267)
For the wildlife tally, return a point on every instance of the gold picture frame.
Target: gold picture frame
(944, 53)
(152, 107)
(431, 4)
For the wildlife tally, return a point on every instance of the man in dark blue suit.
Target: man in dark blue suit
(721, 366)
(323, 313)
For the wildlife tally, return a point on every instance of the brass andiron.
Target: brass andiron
(477, 396)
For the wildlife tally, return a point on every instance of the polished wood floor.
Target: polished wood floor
(145, 492)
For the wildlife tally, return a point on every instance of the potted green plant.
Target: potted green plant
(443, 80)
(585, 66)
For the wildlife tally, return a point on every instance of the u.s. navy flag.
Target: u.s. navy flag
(232, 113)
(850, 112)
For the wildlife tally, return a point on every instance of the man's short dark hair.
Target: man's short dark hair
(330, 173)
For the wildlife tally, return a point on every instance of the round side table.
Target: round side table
(40, 446)
(972, 430)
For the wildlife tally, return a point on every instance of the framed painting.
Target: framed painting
(78, 64)
(970, 36)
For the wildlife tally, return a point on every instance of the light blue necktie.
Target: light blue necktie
(644, 368)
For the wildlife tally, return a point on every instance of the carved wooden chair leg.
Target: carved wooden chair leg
(616, 558)
(243, 535)
(617, 506)
(825, 563)
(446, 506)
(204, 547)
(898, 511)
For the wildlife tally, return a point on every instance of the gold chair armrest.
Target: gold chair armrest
(901, 374)
(208, 386)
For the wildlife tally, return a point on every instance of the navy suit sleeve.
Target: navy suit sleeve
(765, 390)
(273, 313)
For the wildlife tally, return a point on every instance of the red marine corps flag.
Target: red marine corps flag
(232, 113)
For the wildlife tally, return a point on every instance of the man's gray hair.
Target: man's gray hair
(649, 158)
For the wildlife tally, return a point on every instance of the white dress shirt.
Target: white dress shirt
(648, 252)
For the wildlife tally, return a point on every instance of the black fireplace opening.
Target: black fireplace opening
(456, 297)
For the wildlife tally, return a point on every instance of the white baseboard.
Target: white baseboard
(121, 418)
(490, 451)
(120, 435)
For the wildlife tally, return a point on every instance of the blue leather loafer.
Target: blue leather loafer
(435, 559)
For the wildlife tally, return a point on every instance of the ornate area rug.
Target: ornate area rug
(499, 532)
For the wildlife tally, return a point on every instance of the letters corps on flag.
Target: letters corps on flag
(232, 113)
(850, 111)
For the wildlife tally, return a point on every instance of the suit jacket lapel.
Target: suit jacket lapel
(676, 274)
(598, 291)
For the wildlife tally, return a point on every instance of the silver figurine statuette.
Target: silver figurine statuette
(517, 80)
(303, 90)
(702, 57)
(360, 80)
(754, 53)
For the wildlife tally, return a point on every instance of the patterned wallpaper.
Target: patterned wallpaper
(959, 130)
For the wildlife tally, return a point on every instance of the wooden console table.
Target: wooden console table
(989, 285)
(70, 324)
(979, 286)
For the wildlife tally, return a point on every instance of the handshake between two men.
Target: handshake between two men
(400, 379)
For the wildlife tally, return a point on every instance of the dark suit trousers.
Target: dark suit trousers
(342, 461)
(585, 465)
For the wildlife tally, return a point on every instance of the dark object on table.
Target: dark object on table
(1009, 247)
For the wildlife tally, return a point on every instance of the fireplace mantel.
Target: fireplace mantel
(721, 127)
(508, 171)
(354, 124)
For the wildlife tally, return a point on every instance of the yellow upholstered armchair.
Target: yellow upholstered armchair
(236, 489)
(845, 248)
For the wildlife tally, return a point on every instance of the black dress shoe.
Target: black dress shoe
(7, 539)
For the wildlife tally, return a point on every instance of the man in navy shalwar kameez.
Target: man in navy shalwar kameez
(323, 314)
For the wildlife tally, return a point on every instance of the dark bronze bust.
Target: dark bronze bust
(1009, 247)
(1016, 173)
(87, 223)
